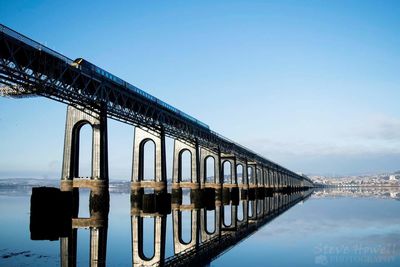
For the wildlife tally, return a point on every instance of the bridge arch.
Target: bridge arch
(209, 218)
(147, 229)
(185, 166)
(265, 177)
(180, 244)
(227, 172)
(250, 174)
(147, 160)
(240, 174)
(259, 177)
(185, 237)
(252, 209)
(229, 215)
(240, 214)
(210, 169)
(260, 207)
(242, 211)
(140, 256)
(185, 153)
(79, 132)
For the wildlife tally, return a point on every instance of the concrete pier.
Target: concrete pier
(159, 181)
(205, 156)
(193, 182)
(244, 184)
(97, 224)
(252, 174)
(179, 244)
(230, 162)
(76, 119)
(138, 256)
(231, 223)
(204, 219)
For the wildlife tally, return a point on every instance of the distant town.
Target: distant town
(375, 180)
(388, 192)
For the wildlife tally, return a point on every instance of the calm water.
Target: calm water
(330, 228)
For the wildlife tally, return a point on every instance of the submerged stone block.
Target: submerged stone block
(51, 213)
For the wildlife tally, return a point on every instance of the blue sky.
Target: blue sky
(312, 85)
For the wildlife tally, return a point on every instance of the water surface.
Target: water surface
(331, 228)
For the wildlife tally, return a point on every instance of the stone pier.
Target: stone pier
(159, 181)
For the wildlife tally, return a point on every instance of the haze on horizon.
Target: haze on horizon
(313, 86)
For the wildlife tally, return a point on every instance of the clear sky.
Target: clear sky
(312, 85)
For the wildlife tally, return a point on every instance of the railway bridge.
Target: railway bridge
(27, 68)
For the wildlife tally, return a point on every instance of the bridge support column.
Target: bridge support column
(244, 184)
(233, 218)
(233, 180)
(252, 174)
(98, 246)
(244, 203)
(179, 244)
(259, 176)
(267, 178)
(76, 118)
(285, 180)
(97, 223)
(97, 183)
(260, 208)
(138, 235)
(177, 179)
(216, 183)
(279, 176)
(205, 233)
(267, 205)
(272, 175)
(260, 182)
(252, 210)
(159, 182)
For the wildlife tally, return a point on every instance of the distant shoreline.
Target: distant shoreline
(356, 186)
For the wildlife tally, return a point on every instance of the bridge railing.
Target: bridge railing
(32, 43)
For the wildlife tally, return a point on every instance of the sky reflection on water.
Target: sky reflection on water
(326, 232)
(322, 231)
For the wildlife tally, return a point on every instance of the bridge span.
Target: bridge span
(27, 68)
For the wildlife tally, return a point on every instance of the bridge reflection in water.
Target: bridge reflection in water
(204, 244)
(97, 224)
(215, 221)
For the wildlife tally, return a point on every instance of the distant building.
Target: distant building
(392, 177)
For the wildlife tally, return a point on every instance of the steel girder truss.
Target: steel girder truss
(29, 69)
